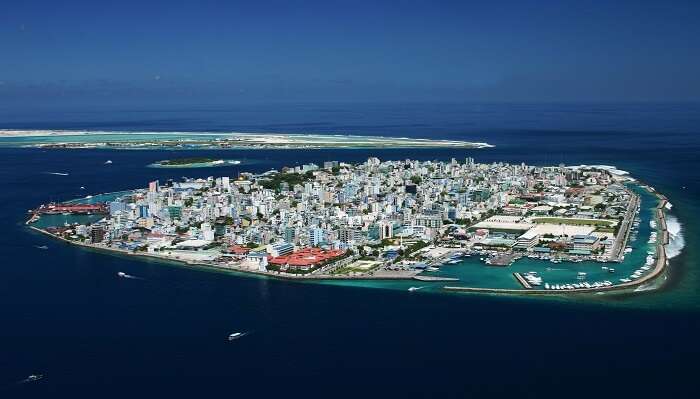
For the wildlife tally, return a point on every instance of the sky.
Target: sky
(217, 52)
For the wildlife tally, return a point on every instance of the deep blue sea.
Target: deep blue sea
(66, 315)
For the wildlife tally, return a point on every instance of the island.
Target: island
(69, 139)
(198, 162)
(451, 226)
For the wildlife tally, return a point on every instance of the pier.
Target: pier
(429, 278)
(522, 281)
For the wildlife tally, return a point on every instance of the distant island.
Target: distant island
(198, 162)
(61, 139)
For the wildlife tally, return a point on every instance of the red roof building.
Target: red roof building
(306, 258)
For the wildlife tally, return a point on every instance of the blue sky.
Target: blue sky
(247, 52)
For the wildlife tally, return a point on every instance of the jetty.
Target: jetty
(430, 278)
(522, 281)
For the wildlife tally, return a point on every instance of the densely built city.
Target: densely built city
(373, 220)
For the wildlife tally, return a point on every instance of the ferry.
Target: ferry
(235, 336)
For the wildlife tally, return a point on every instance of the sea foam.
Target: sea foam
(675, 232)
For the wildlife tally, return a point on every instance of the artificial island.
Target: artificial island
(457, 225)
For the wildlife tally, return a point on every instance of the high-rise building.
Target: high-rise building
(153, 186)
(386, 230)
(316, 236)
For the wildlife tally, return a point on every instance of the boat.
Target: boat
(41, 247)
(611, 270)
(432, 269)
(88, 197)
(107, 162)
(411, 289)
(453, 262)
(32, 378)
(122, 274)
(82, 187)
(235, 336)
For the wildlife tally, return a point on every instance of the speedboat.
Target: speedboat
(122, 275)
(235, 336)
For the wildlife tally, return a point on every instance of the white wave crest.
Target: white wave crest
(675, 232)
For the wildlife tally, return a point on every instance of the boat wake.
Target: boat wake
(129, 276)
(677, 240)
(31, 378)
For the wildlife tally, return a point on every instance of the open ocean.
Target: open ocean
(66, 315)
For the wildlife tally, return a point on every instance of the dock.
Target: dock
(522, 281)
(429, 278)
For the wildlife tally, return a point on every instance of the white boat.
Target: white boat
(235, 336)
(122, 274)
(32, 378)
(411, 289)
(432, 269)
(44, 247)
(107, 162)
